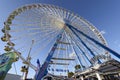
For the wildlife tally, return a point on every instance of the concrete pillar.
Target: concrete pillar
(81, 78)
(98, 76)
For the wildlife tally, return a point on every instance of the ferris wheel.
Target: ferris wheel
(53, 35)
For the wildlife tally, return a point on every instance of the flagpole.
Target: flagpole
(28, 60)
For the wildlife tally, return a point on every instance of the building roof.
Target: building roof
(109, 67)
(12, 77)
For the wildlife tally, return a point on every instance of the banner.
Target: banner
(6, 61)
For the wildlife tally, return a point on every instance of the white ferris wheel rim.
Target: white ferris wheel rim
(36, 6)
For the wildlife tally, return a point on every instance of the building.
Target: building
(12, 77)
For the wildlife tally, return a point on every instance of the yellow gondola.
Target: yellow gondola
(23, 69)
(7, 27)
(10, 44)
(11, 16)
(8, 35)
(19, 10)
(7, 48)
(3, 30)
(15, 13)
(4, 39)
(16, 59)
(24, 8)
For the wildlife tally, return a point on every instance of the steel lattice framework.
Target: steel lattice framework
(41, 24)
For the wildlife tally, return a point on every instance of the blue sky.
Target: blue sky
(104, 14)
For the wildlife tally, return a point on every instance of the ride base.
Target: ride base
(109, 70)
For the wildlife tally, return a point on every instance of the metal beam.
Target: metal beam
(62, 58)
(43, 70)
(61, 48)
(72, 29)
(96, 42)
(61, 42)
(59, 63)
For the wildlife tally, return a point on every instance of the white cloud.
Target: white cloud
(102, 32)
(72, 55)
(116, 42)
(119, 45)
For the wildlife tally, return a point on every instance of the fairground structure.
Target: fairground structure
(58, 40)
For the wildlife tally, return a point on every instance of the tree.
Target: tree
(77, 67)
(70, 74)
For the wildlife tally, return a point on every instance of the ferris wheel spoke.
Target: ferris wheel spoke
(73, 48)
(47, 9)
(81, 57)
(57, 13)
(34, 13)
(85, 44)
(23, 36)
(83, 52)
(25, 21)
(65, 14)
(47, 35)
(77, 44)
(30, 29)
(31, 34)
(26, 17)
(88, 43)
(93, 47)
(70, 16)
(73, 17)
(77, 53)
(48, 42)
(30, 25)
(88, 50)
(44, 39)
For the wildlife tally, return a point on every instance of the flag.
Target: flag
(52, 69)
(48, 68)
(38, 68)
(38, 64)
(57, 70)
